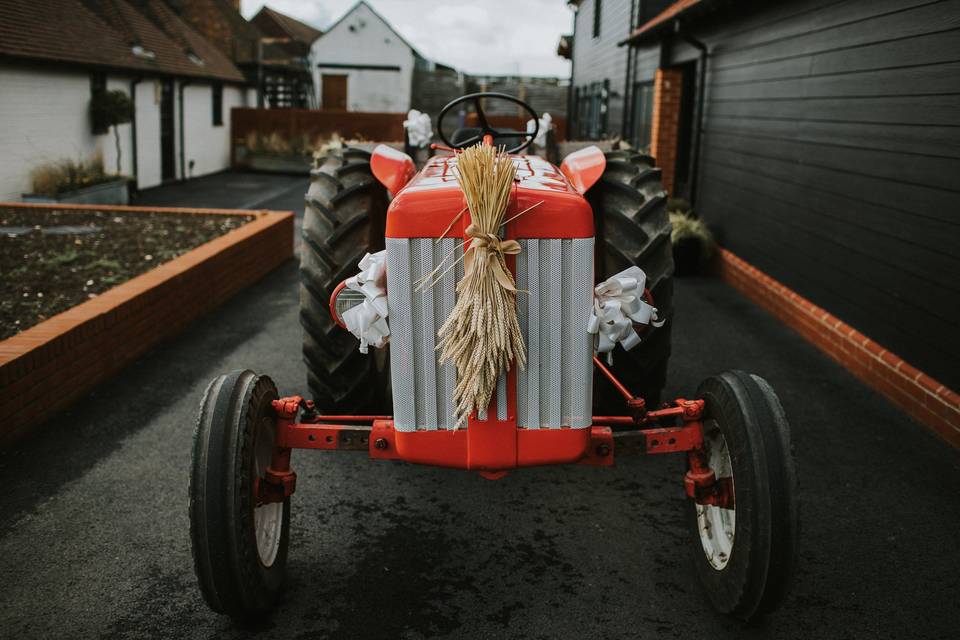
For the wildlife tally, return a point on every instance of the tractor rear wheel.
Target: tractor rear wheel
(633, 228)
(345, 218)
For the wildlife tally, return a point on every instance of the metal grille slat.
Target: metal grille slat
(446, 298)
(426, 349)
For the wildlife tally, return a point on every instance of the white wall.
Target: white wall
(44, 117)
(371, 42)
(208, 146)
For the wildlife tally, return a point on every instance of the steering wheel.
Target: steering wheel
(485, 128)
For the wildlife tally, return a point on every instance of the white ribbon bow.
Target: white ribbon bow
(617, 304)
(368, 321)
(419, 128)
(546, 123)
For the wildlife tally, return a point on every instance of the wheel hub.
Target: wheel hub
(267, 517)
(717, 525)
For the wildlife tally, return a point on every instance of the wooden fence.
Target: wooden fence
(296, 125)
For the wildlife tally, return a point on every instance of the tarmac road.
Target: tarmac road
(94, 533)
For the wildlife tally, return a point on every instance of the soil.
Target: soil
(51, 260)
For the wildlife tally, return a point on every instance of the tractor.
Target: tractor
(593, 270)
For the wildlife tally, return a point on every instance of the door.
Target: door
(167, 157)
(682, 187)
(334, 92)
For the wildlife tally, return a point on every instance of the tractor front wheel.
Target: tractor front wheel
(745, 550)
(239, 545)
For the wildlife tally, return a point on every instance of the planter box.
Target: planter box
(271, 163)
(113, 192)
(48, 366)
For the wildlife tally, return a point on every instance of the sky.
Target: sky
(495, 37)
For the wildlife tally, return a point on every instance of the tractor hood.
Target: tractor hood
(428, 204)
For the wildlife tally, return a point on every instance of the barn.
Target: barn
(819, 137)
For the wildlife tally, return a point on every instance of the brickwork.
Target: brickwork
(667, 90)
(916, 393)
(49, 366)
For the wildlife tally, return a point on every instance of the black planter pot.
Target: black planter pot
(687, 256)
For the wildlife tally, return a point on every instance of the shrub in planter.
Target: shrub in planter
(693, 243)
(111, 109)
(53, 179)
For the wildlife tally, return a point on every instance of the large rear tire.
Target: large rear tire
(345, 218)
(633, 228)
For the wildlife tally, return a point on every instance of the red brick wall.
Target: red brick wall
(667, 89)
(47, 367)
(915, 392)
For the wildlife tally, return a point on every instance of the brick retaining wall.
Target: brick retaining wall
(915, 392)
(47, 367)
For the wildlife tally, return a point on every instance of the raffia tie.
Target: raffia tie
(496, 248)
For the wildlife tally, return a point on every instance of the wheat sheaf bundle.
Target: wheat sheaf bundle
(482, 336)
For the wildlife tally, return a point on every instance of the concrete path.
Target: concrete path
(94, 536)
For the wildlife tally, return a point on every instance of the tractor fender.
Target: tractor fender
(584, 167)
(392, 168)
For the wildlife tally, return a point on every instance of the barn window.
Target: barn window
(217, 105)
(642, 117)
(592, 103)
(597, 11)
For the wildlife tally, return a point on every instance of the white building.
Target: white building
(182, 86)
(362, 64)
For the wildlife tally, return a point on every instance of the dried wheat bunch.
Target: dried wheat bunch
(482, 335)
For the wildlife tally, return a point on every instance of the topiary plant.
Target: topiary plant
(111, 109)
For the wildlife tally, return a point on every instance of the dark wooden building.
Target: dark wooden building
(820, 137)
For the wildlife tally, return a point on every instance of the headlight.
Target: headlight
(342, 300)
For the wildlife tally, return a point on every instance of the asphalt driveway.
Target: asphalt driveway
(94, 536)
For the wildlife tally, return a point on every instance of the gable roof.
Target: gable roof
(274, 23)
(379, 17)
(103, 33)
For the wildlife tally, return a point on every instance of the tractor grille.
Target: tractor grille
(555, 390)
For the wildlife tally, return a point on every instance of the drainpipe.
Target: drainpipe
(626, 123)
(133, 128)
(183, 162)
(701, 89)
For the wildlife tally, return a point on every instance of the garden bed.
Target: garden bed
(53, 259)
(152, 272)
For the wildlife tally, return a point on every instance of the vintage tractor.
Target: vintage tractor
(585, 228)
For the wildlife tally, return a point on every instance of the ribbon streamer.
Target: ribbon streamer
(368, 320)
(618, 304)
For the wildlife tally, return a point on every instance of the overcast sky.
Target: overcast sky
(496, 37)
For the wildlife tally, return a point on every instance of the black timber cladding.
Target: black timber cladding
(831, 159)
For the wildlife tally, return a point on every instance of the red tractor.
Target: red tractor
(586, 227)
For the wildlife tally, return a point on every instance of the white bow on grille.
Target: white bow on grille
(618, 304)
(368, 321)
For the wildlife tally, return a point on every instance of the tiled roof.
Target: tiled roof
(104, 33)
(219, 22)
(662, 19)
(299, 31)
